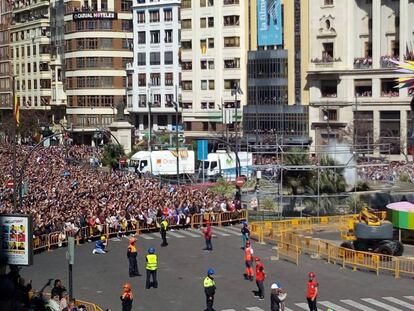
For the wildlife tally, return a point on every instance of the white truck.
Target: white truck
(223, 164)
(163, 162)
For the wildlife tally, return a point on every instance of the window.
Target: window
(127, 44)
(125, 61)
(203, 22)
(203, 85)
(187, 85)
(168, 36)
(142, 79)
(230, 84)
(155, 36)
(126, 5)
(203, 64)
(210, 43)
(154, 16)
(328, 2)
(142, 100)
(230, 2)
(390, 132)
(231, 20)
(231, 41)
(202, 3)
(91, 62)
(157, 101)
(141, 37)
(210, 2)
(28, 51)
(232, 63)
(205, 126)
(155, 79)
(107, 62)
(187, 65)
(186, 45)
(106, 25)
(186, 4)
(388, 88)
(169, 79)
(328, 51)
(186, 24)
(126, 24)
(155, 58)
(141, 59)
(106, 43)
(168, 58)
(211, 84)
(329, 88)
(210, 22)
(203, 46)
(363, 88)
(107, 100)
(141, 17)
(168, 15)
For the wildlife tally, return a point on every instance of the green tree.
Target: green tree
(111, 155)
(223, 188)
(299, 178)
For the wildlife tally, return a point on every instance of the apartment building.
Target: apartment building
(277, 96)
(156, 66)
(351, 73)
(98, 47)
(34, 64)
(213, 63)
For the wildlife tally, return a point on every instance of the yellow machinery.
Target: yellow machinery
(367, 232)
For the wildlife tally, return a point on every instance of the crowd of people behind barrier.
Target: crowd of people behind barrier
(65, 194)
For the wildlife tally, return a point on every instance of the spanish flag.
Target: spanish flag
(16, 110)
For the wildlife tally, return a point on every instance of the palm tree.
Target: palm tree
(111, 155)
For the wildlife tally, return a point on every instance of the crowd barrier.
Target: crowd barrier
(292, 241)
(55, 239)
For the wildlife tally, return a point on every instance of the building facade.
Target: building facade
(213, 61)
(156, 66)
(351, 73)
(277, 96)
(98, 47)
(34, 66)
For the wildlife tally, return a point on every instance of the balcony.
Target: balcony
(325, 62)
(363, 63)
(389, 61)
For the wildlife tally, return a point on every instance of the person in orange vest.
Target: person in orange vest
(208, 233)
(127, 298)
(248, 259)
(312, 292)
(260, 277)
(132, 258)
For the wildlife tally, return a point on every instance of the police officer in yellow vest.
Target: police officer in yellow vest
(151, 268)
(209, 289)
(163, 230)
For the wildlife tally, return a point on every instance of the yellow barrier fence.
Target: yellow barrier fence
(291, 241)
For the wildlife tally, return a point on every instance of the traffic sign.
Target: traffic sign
(10, 184)
(240, 181)
(122, 161)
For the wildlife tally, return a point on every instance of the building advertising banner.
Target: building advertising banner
(16, 242)
(269, 22)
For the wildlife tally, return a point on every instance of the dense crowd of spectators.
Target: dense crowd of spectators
(390, 172)
(65, 193)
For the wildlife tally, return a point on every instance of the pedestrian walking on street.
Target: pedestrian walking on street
(260, 277)
(277, 298)
(208, 233)
(312, 292)
(248, 259)
(127, 297)
(151, 268)
(245, 234)
(132, 258)
(163, 231)
(209, 289)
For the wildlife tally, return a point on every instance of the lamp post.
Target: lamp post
(236, 91)
(149, 115)
(177, 148)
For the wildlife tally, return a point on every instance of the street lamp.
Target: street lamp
(177, 148)
(237, 91)
(149, 114)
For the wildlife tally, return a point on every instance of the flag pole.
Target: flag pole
(15, 116)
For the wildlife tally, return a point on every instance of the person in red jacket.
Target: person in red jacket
(260, 277)
(312, 292)
(208, 233)
(248, 259)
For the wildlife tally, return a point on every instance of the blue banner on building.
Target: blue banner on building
(269, 22)
(202, 150)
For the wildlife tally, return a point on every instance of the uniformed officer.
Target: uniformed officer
(312, 292)
(248, 259)
(209, 289)
(132, 258)
(151, 268)
(163, 231)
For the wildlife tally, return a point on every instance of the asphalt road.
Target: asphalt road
(183, 265)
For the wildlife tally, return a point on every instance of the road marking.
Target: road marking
(234, 229)
(254, 309)
(399, 302)
(195, 231)
(409, 297)
(175, 234)
(224, 229)
(303, 306)
(380, 304)
(188, 233)
(332, 306)
(228, 310)
(357, 305)
(216, 232)
(155, 234)
(146, 237)
(287, 309)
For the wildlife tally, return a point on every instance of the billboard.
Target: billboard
(16, 242)
(269, 22)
